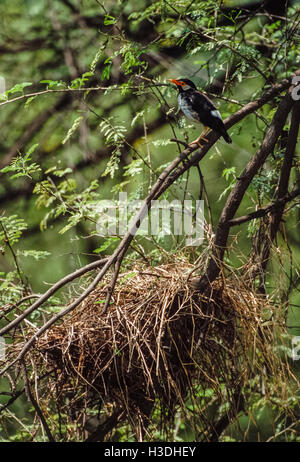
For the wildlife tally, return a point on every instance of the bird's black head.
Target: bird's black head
(183, 84)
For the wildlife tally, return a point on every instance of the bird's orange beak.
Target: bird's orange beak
(177, 82)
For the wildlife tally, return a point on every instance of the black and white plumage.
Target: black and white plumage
(199, 108)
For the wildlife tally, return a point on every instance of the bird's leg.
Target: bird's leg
(205, 131)
(201, 137)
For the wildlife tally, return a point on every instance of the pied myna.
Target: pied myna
(199, 108)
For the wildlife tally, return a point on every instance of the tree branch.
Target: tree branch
(58, 285)
(35, 404)
(275, 219)
(275, 206)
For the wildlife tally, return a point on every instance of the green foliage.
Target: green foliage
(109, 20)
(114, 137)
(230, 176)
(10, 291)
(53, 84)
(64, 200)
(18, 88)
(12, 228)
(132, 61)
(107, 69)
(81, 81)
(23, 165)
(73, 129)
(36, 254)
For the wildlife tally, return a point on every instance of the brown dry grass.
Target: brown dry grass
(159, 343)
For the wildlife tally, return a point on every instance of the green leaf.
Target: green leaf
(106, 71)
(19, 87)
(106, 244)
(73, 129)
(109, 20)
(61, 173)
(11, 228)
(52, 84)
(128, 276)
(23, 166)
(134, 168)
(31, 149)
(136, 117)
(73, 221)
(229, 172)
(29, 101)
(80, 81)
(36, 254)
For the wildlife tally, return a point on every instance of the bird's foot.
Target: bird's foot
(197, 141)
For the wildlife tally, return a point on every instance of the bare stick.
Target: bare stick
(35, 404)
(61, 283)
(275, 219)
(275, 206)
(110, 289)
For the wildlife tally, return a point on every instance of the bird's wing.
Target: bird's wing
(207, 112)
(199, 101)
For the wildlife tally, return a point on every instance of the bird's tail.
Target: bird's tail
(226, 137)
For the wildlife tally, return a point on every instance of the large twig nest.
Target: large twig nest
(158, 342)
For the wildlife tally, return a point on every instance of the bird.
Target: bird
(199, 108)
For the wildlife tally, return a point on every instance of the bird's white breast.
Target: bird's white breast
(186, 109)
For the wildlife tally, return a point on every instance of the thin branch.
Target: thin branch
(72, 90)
(275, 206)
(35, 404)
(275, 219)
(58, 285)
(19, 271)
(110, 288)
(204, 191)
(287, 165)
(19, 302)
(51, 90)
(17, 393)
